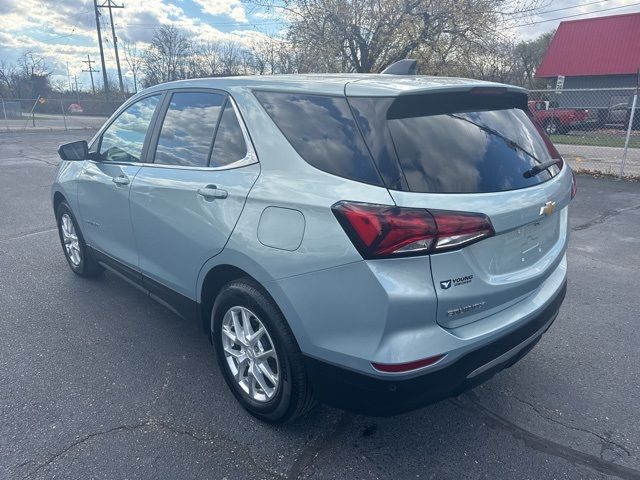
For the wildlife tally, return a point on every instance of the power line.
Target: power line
(533, 11)
(578, 14)
(211, 24)
(110, 4)
(104, 67)
(573, 6)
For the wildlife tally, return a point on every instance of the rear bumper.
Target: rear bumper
(380, 396)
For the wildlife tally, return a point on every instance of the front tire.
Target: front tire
(73, 244)
(258, 355)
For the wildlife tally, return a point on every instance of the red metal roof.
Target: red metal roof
(594, 46)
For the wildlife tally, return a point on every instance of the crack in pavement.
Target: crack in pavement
(28, 234)
(545, 445)
(602, 438)
(604, 217)
(315, 449)
(160, 425)
(41, 160)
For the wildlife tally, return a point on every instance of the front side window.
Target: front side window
(229, 146)
(123, 140)
(188, 129)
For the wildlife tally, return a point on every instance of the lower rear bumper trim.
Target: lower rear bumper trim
(380, 396)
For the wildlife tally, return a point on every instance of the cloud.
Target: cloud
(555, 12)
(64, 31)
(231, 8)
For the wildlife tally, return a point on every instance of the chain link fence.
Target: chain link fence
(21, 114)
(596, 130)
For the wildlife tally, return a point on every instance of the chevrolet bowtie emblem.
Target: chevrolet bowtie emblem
(548, 208)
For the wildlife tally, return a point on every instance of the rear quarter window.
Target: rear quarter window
(323, 132)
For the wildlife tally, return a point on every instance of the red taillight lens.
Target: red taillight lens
(574, 185)
(406, 367)
(382, 231)
(378, 230)
(457, 229)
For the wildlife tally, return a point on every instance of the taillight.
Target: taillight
(574, 185)
(379, 231)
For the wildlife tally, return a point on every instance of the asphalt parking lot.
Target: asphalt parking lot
(99, 381)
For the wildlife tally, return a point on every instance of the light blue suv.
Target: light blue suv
(376, 242)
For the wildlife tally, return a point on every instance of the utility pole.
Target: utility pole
(69, 78)
(75, 78)
(88, 61)
(111, 4)
(105, 82)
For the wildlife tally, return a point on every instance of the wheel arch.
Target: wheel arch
(58, 198)
(212, 283)
(229, 266)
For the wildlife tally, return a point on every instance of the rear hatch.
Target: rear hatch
(472, 152)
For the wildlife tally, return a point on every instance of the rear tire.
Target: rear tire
(551, 127)
(73, 244)
(240, 311)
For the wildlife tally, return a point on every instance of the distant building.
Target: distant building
(599, 52)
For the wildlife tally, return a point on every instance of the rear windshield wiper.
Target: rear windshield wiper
(541, 168)
(492, 131)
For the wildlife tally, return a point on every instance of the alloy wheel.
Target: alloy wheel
(250, 354)
(552, 128)
(70, 240)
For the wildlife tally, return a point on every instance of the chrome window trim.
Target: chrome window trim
(249, 159)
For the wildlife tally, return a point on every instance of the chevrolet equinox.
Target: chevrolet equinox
(375, 242)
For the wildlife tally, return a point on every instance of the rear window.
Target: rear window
(323, 132)
(468, 151)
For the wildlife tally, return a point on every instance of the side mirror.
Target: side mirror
(74, 151)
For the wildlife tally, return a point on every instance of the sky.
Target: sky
(63, 32)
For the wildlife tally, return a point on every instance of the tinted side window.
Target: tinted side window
(229, 145)
(188, 128)
(123, 140)
(323, 132)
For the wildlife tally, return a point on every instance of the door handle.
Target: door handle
(120, 180)
(211, 192)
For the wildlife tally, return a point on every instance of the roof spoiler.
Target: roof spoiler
(407, 66)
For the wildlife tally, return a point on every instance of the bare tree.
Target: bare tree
(230, 58)
(133, 58)
(530, 53)
(209, 63)
(167, 56)
(368, 35)
(27, 78)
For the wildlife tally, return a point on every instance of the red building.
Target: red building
(601, 52)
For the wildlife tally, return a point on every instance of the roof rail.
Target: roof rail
(407, 66)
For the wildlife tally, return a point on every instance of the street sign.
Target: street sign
(560, 82)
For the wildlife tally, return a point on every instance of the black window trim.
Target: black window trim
(157, 127)
(97, 141)
(151, 137)
(249, 159)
